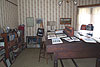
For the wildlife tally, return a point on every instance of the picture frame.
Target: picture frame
(30, 21)
(65, 21)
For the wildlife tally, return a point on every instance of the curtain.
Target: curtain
(83, 16)
(96, 21)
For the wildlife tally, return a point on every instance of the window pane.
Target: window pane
(96, 21)
(83, 17)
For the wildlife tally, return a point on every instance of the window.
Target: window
(90, 15)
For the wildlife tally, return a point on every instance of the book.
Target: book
(1, 44)
(2, 64)
(8, 63)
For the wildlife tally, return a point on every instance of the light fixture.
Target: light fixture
(60, 2)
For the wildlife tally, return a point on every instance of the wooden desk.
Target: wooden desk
(74, 50)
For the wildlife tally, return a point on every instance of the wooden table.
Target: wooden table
(74, 50)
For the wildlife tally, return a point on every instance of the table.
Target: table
(73, 50)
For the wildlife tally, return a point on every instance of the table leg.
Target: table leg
(98, 62)
(55, 63)
(61, 63)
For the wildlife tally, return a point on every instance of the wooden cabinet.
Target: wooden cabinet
(32, 42)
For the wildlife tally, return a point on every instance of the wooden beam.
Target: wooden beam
(12, 3)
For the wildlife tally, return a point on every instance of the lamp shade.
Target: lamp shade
(51, 23)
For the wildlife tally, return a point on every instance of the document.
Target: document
(56, 41)
(89, 40)
(61, 35)
(68, 39)
(97, 39)
(75, 39)
(51, 36)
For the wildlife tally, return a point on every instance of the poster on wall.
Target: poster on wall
(30, 21)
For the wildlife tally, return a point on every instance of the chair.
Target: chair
(41, 41)
(89, 27)
(83, 27)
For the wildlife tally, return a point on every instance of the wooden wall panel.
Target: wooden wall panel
(9, 15)
(49, 10)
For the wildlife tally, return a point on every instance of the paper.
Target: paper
(61, 35)
(97, 39)
(56, 41)
(59, 31)
(89, 40)
(75, 39)
(51, 36)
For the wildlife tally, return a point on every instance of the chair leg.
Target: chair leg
(47, 58)
(39, 55)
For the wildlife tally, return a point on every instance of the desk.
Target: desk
(74, 50)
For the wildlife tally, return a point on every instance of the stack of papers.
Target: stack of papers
(56, 41)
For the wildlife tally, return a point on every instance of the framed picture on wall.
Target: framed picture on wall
(30, 21)
(65, 21)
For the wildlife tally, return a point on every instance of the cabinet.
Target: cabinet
(32, 42)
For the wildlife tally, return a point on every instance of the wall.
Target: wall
(9, 14)
(48, 10)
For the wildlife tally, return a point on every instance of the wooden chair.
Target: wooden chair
(42, 53)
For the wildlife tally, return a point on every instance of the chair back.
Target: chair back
(40, 32)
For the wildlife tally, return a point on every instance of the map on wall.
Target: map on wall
(65, 20)
(30, 21)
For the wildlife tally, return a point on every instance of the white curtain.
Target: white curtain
(96, 22)
(83, 16)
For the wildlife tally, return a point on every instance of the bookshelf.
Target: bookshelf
(13, 45)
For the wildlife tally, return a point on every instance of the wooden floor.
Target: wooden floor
(29, 58)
